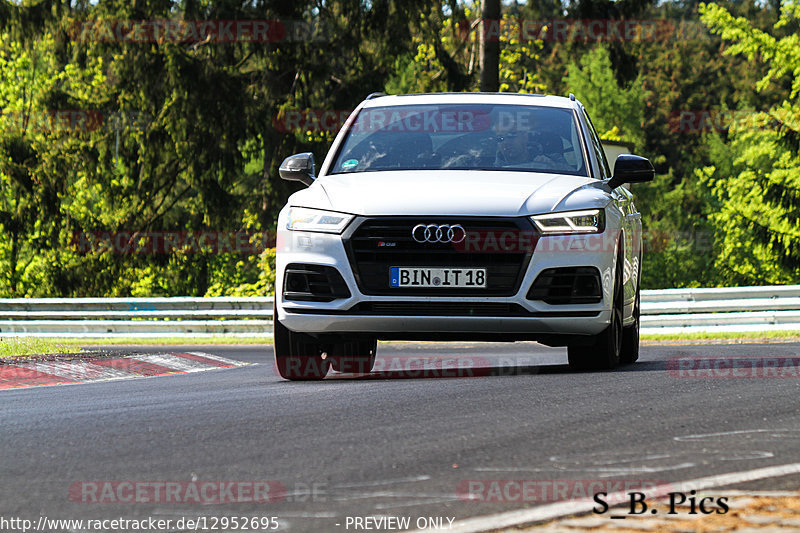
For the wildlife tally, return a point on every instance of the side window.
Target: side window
(597, 147)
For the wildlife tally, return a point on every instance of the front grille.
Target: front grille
(567, 285)
(503, 246)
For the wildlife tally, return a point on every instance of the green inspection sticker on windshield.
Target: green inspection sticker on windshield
(350, 163)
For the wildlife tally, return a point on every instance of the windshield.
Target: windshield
(463, 137)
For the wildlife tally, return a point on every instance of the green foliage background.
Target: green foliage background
(186, 139)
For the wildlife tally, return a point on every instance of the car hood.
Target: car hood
(452, 192)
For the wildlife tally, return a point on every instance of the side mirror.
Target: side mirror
(630, 168)
(298, 167)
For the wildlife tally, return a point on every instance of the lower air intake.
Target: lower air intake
(567, 285)
(313, 283)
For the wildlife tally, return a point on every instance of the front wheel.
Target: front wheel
(603, 353)
(629, 352)
(297, 356)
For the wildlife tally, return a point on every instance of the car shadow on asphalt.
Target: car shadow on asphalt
(444, 371)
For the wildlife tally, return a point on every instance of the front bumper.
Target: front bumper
(531, 319)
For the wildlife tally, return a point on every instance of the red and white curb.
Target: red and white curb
(41, 373)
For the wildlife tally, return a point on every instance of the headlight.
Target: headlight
(304, 219)
(589, 221)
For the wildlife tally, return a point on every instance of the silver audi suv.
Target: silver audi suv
(467, 216)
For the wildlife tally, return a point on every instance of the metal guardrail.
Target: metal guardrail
(723, 309)
(668, 311)
(136, 317)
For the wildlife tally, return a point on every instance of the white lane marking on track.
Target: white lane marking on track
(220, 359)
(620, 466)
(771, 433)
(611, 471)
(552, 511)
(756, 493)
(610, 458)
(412, 503)
(606, 471)
(309, 515)
(80, 370)
(381, 482)
(747, 455)
(386, 494)
(173, 362)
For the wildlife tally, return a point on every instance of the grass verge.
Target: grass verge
(28, 346)
(20, 346)
(684, 337)
(165, 341)
(724, 336)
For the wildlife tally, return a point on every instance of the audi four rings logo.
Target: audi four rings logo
(439, 233)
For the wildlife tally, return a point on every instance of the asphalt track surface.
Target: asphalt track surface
(396, 443)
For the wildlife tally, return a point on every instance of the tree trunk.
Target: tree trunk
(490, 46)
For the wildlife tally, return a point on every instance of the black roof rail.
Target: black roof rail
(374, 95)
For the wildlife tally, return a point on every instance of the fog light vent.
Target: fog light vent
(567, 285)
(313, 283)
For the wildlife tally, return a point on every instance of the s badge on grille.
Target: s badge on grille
(384, 244)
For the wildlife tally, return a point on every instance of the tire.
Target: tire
(356, 356)
(629, 352)
(298, 357)
(603, 353)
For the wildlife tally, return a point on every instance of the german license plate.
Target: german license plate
(423, 277)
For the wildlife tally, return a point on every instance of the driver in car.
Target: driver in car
(521, 144)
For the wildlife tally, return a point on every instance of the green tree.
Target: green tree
(617, 112)
(755, 182)
(186, 142)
